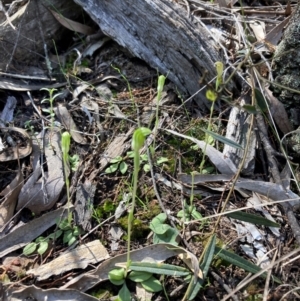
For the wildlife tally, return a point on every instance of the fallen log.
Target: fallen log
(160, 33)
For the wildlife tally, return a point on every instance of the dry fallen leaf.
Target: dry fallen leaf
(42, 193)
(72, 25)
(54, 294)
(24, 234)
(66, 119)
(10, 194)
(16, 152)
(78, 258)
(157, 252)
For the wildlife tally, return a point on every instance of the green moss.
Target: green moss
(139, 228)
(104, 210)
(152, 211)
(252, 289)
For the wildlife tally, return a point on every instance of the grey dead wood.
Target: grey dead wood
(159, 32)
(25, 45)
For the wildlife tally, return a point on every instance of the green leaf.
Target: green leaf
(76, 231)
(196, 214)
(124, 293)
(159, 228)
(240, 262)
(208, 170)
(146, 168)
(139, 276)
(168, 237)
(64, 225)
(117, 276)
(112, 168)
(72, 240)
(123, 167)
(130, 154)
(144, 157)
(260, 100)
(42, 247)
(250, 109)
(159, 268)
(116, 159)
(252, 218)
(39, 239)
(182, 213)
(159, 219)
(205, 265)
(117, 282)
(162, 160)
(223, 139)
(30, 248)
(67, 236)
(56, 95)
(55, 235)
(152, 285)
(208, 256)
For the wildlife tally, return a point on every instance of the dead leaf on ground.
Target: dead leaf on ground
(16, 152)
(274, 35)
(73, 25)
(278, 112)
(10, 194)
(19, 13)
(78, 258)
(116, 148)
(54, 294)
(259, 29)
(26, 233)
(66, 119)
(44, 192)
(221, 162)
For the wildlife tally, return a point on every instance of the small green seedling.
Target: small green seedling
(50, 99)
(71, 233)
(41, 244)
(118, 163)
(190, 212)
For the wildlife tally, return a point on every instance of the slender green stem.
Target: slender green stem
(130, 216)
(206, 136)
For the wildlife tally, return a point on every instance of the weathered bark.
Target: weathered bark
(158, 32)
(286, 67)
(25, 44)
